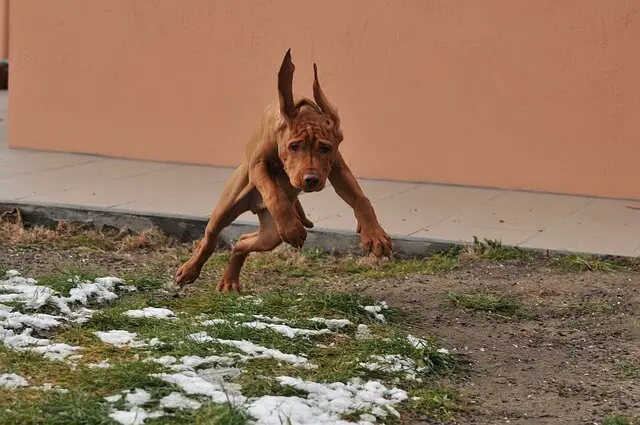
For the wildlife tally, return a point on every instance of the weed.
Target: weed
(617, 420)
(629, 369)
(435, 402)
(579, 263)
(490, 249)
(483, 302)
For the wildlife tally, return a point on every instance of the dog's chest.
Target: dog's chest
(276, 170)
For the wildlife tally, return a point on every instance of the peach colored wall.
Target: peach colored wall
(529, 94)
(4, 29)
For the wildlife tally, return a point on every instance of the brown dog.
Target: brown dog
(293, 149)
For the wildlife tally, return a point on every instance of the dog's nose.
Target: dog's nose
(311, 180)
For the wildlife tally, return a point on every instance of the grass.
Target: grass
(304, 273)
(440, 403)
(617, 420)
(481, 302)
(590, 307)
(491, 249)
(629, 369)
(582, 263)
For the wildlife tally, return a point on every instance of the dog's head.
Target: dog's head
(313, 132)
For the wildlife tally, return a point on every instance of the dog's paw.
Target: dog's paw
(187, 273)
(228, 285)
(376, 241)
(306, 222)
(293, 232)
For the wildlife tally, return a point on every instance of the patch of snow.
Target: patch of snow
(394, 363)
(255, 351)
(17, 320)
(417, 342)
(332, 323)
(50, 387)
(135, 416)
(376, 310)
(363, 332)
(138, 397)
(193, 362)
(269, 319)
(119, 338)
(151, 312)
(102, 365)
(214, 322)
(281, 329)
(113, 398)
(12, 381)
(178, 401)
(326, 403)
(191, 383)
(17, 288)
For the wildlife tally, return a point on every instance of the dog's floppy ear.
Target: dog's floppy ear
(322, 100)
(285, 87)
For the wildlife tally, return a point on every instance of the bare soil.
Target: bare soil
(571, 354)
(571, 357)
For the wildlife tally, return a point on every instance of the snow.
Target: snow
(102, 365)
(376, 311)
(178, 401)
(17, 328)
(281, 329)
(253, 350)
(363, 332)
(134, 416)
(138, 397)
(191, 383)
(12, 381)
(332, 323)
(151, 312)
(113, 398)
(325, 403)
(394, 363)
(119, 338)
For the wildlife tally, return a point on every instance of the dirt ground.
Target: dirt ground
(572, 358)
(569, 354)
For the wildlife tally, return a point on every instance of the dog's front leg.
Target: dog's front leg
(289, 226)
(373, 237)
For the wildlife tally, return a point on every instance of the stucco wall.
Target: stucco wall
(540, 95)
(4, 29)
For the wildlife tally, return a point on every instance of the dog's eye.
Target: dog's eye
(325, 149)
(295, 147)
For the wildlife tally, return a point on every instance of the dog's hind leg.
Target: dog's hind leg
(233, 202)
(265, 239)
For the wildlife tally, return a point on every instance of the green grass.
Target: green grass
(629, 369)
(617, 420)
(313, 267)
(66, 276)
(440, 403)
(484, 303)
(582, 263)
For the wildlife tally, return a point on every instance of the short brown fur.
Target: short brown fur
(294, 148)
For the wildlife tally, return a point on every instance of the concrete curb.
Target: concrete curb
(190, 228)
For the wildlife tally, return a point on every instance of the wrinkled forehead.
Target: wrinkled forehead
(311, 130)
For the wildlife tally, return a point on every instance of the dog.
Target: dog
(293, 149)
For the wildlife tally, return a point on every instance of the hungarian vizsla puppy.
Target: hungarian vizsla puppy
(294, 148)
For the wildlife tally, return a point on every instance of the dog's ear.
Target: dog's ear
(285, 87)
(322, 100)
